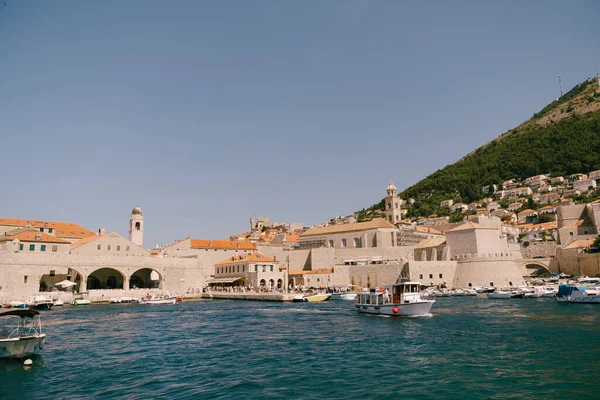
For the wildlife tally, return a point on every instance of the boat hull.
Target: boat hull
(583, 300)
(407, 309)
(171, 300)
(80, 302)
(349, 296)
(21, 347)
(42, 306)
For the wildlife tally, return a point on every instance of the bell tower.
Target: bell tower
(392, 204)
(136, 226)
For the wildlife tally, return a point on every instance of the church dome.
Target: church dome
(391, 186)
(136, 210)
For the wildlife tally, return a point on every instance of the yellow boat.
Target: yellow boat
(314, 298)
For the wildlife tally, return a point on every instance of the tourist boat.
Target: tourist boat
(23, 340)
(311, 298)
(163, 298)
(577, 294)
(400, 299)
(41, 303)
(342, 292)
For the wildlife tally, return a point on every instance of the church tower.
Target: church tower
(392, 204)
(136, 226)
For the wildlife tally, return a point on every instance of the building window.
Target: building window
(21, 247)
(256, 268)
(441, 276)
(243, 268)
(344, 243)
(43, 247)
(54, 248)
(127, 248)
(32, 247)
(52, 272)
(331, 243)
(99, 247)
(264, 268)
(108, 247)
(318, 280)
(41, 229)
(420, 276)
(50, 230)
(430, 276)
(491, 283)
(571, 233)
(118, 247)
(271, 268)
(238, 268)
(470, 284)
(25, 279)
(356, 242)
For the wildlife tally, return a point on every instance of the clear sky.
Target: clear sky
(206, 113)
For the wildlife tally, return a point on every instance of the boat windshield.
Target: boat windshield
(15, 325)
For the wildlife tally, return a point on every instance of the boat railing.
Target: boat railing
(27, 327)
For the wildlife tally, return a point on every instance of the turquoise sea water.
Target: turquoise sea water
(470, 348)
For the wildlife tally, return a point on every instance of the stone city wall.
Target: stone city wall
(544, 249)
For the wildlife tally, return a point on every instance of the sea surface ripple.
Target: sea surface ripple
(468, 348)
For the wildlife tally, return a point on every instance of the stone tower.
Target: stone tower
(392, 204)
(136, 226)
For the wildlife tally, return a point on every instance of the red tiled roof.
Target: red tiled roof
(244, 258)
(221, 244)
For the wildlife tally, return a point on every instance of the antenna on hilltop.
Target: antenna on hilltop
(560, 83)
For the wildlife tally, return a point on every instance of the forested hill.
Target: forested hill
(561, 139)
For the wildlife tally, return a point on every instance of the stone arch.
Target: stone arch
(55, 274)
(271, 284)
(279, 283)
(146, 278)
(536, 269)
(105, 278)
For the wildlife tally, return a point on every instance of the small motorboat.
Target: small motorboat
(58, 303)
(80, 302)
(499, 294)
(41, 303)
(23, 340)
(400, 299)
(540, 291)
(163, 298)
(18, 304)
(311, 298)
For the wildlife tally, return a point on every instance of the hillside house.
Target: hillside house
(584, 185)
(514, 206)
(545, 198)
(594, 174)
(446, 203)
(577, 177)
(559, 180)
(459, 207)
(526, 216)
(492, 207)
(536, 181)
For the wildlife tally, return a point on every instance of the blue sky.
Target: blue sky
(207, 113)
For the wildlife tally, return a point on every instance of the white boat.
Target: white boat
(400, 299)
(80, 302)
(59, 303)
(311, 298)
(499, 294)
(470, 292)
(458, 292)
(18, 304)
(577, 294)
(539, 291)
(163, 298)
(41, 303)
(23, 340)
(342, 292)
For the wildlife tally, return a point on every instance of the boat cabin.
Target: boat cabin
(399, 293)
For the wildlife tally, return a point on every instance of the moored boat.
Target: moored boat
(18, 304)
(80, 302)
(400, 299)
(499, 294)
(41, 303)
(23, 340)
(570, 293)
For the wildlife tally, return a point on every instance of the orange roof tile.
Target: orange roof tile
(221, 244)
(292, 237)
(31, 235)
(61, 229)
(527, 212)
(244, 258)
(375, 223)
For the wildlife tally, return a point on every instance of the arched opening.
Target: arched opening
(105, 278)
(537, 271)
(263, 283)
(271, 284)
(145, 278)
(137, 226)
(279, 283)
(60, 279)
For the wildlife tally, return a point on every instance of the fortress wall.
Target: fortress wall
(482, 271)
(543, 249)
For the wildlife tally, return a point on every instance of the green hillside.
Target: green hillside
(561, 139)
